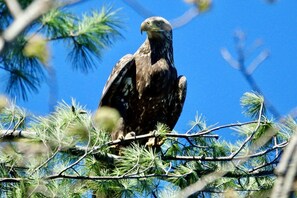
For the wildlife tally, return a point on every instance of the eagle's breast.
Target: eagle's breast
(154, 77)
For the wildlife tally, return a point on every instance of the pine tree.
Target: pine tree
(24, 59)
(69, 153)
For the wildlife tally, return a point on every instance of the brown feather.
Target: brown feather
(144, 87)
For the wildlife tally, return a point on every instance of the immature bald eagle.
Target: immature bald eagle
(144, 87)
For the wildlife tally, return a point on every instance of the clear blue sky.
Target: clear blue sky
(214, 88)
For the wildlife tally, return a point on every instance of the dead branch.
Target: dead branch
(286, 171)
(240, 64)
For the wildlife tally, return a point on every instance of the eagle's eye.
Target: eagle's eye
(159, 22)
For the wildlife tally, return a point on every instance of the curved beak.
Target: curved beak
(144, 26)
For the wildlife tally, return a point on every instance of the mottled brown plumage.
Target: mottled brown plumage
(144, 87)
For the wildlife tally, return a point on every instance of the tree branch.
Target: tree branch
(211, 177)
(11, 180)
(286, 171)
(227, 158)
(247, 71)
(17, 134)
(253, 133)
(177, 22)
(133, 176)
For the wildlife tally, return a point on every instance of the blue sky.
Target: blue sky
(214, 88)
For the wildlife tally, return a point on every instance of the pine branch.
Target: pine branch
(275, 161)
(18, 134)
(79, 177)
(46, 161)
(26, 64)
(11, 180)
(160, 176)
(260, 114)
(211, 177)
(202, 133)
(227, 158)
(198, 154)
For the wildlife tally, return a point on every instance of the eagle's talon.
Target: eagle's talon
(121, 138)
(130, 135)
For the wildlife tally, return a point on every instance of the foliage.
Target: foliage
(25, 64)
(69, 153)
(69, 150)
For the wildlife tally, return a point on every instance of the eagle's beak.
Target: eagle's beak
(144, 26)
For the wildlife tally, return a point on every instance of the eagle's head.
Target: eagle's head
(157, 28)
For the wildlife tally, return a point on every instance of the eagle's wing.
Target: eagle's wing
(178, 101)
(117, 76)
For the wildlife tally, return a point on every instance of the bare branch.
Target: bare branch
(286, 171)
(62, 176)
(273, 162)
(184, 19)
(229, 59)
(178, 22)
(201, 183)
(13, 180)
(17, 134)
(138, 8)
(257, 61)
(133, 176)
(46, 161)
(253, 133)
(240, 64)
(227, 158)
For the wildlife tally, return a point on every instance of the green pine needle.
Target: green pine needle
(253, 104)
(86, 37)
(92, 34)
(24, 74)
(58, 24)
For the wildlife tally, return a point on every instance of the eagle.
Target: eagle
(144, 87)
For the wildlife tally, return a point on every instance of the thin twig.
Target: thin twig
(257, 61)
(46, 161)
(184, 19)
(227, 158)
(134, 176)
(253, 133)
(273, 162)
(112, 177)
(177, 22)
(138, 8)
(240, 65)
(239, 38)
